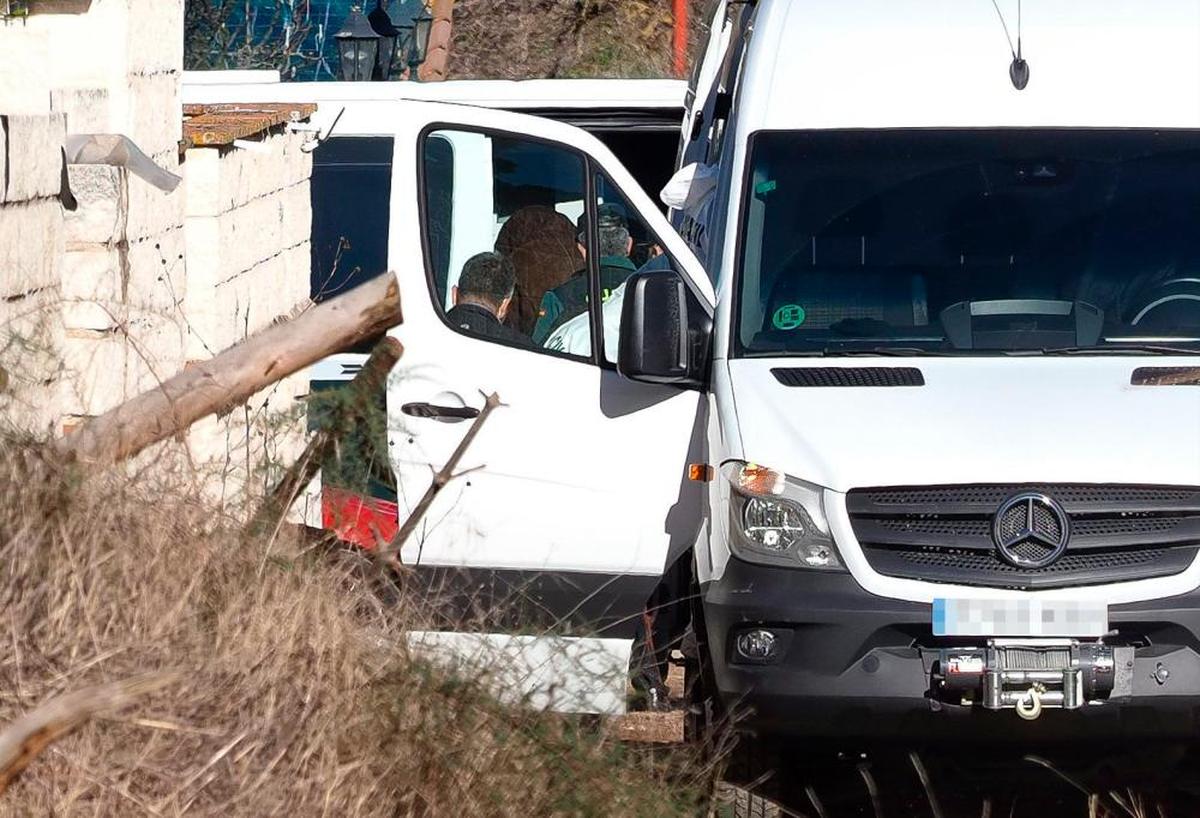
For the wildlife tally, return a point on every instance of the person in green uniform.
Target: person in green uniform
(570, 298)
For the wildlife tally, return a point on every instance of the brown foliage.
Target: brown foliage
(520, 39)
(298, 696)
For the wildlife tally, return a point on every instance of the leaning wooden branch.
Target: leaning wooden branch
(370, 381)
(443, 476)
(23, 740)
(237, 373)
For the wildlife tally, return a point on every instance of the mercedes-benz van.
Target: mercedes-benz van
(907, 428)
(952, 416)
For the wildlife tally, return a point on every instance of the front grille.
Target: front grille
(944, 533)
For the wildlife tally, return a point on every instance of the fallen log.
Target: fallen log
(237, 373)
(23, 740)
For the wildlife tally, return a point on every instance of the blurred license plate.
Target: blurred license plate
(1018, 617)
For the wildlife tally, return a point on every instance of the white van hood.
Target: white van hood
(976, 420)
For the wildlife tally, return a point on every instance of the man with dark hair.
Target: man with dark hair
(482, 298)
(570, 298)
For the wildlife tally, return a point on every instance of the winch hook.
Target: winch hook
(1029, 706)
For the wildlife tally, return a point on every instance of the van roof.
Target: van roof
(201, 87)
(944, 63)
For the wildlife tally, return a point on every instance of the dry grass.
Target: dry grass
(298, 696)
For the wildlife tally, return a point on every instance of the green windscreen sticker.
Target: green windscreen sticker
(789, 316)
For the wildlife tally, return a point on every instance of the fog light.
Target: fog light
(818, 555)
(757, 645)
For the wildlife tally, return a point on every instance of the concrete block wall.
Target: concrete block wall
(105, 301)
(31, 250)
(248, 228)
(124, 253)
(122, 293)
(116, 68)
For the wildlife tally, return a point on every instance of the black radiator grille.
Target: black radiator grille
(944, 533)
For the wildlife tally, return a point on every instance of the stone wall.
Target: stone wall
(101, 302)
(248, 228)
(31, 253)
(115, 68)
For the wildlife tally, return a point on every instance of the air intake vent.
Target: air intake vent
(850, 376)
(1166, 376)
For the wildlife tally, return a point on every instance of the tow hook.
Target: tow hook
(1029, 706)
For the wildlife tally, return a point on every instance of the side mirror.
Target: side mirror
(665, 334)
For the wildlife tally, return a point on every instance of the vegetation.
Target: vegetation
(298, 695)
(263, 34)
(567, 38)
(538, 38)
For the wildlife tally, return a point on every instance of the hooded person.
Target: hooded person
(540, 243)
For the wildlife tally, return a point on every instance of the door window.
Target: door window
(624, 244)
(504, 223)
(351, 196)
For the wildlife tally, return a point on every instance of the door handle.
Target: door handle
(429, 410)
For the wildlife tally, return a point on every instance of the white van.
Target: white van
(908, 429)
(952, 411)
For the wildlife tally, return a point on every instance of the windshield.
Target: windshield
(971, 242)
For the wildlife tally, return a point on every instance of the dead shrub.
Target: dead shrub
(520, 39)
(298, 695)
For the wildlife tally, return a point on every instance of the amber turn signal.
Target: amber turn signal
(753, 479)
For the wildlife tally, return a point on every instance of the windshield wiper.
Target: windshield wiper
(890, 352)
(1115, 349)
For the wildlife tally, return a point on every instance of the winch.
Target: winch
(1030, 675)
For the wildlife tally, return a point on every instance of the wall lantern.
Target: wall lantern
(417, 24)
(358, 48)
(389, 39)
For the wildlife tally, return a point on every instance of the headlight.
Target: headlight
(778, 520)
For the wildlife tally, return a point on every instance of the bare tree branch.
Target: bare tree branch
(23, 740)
(442, 477)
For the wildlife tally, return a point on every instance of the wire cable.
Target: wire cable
(1007, 36)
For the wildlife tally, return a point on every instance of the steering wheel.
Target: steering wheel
(1167, 306)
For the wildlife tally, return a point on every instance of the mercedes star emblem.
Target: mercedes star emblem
(1031, 530)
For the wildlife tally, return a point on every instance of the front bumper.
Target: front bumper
(857, 666)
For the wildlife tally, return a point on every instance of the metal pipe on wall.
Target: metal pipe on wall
(680, 39)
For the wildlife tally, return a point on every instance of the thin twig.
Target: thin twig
(864, 769)
(365, 385)
(1041, 762)
(811, 792)
(923, 774)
